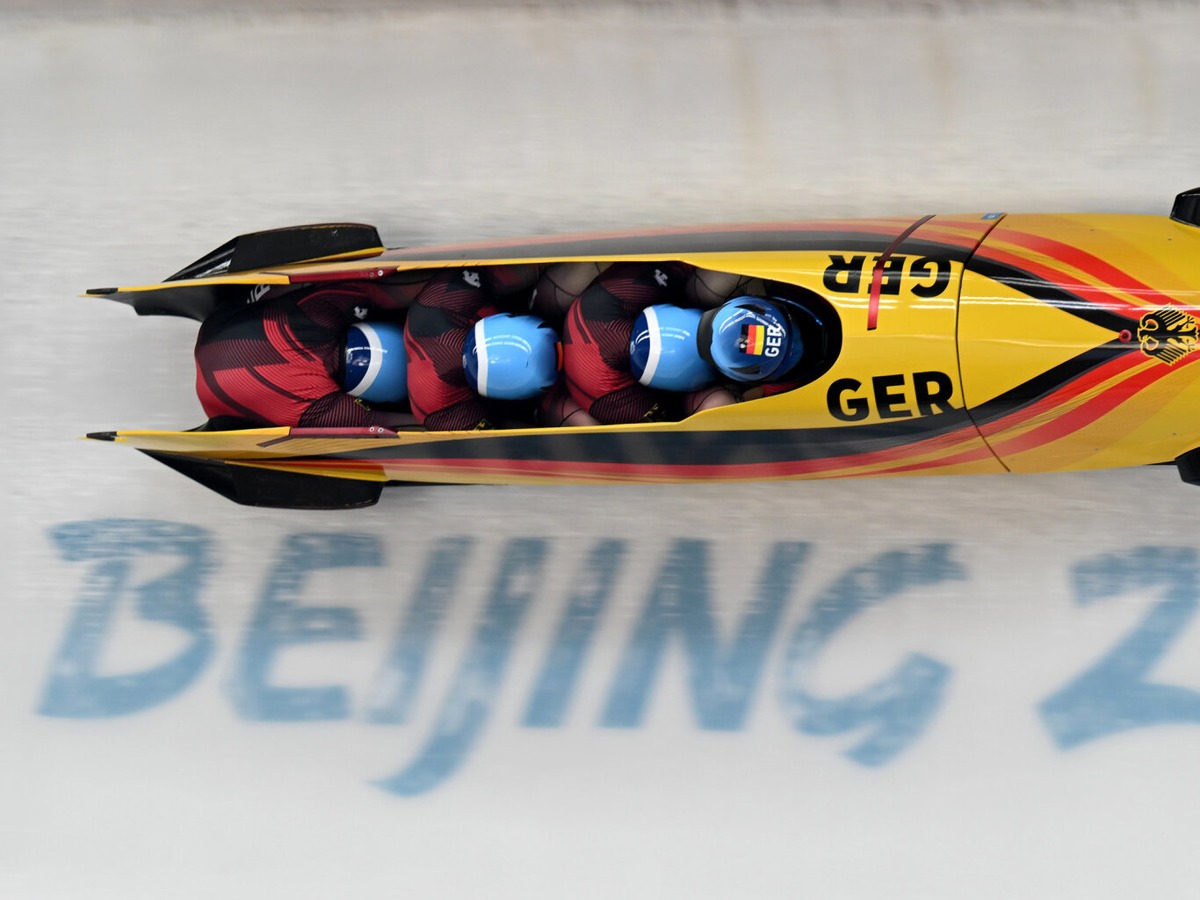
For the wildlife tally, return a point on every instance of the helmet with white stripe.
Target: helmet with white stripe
(509, 357)
(375, 366)
(663, 352)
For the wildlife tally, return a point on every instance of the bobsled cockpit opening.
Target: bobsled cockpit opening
(820, 330)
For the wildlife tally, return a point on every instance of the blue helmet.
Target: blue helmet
(509, 357)
(376, 363)
(752, 339)
(663, 352)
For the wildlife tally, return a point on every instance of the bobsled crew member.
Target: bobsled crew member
(312, 357)
(659, 341)
(752, 342)
(476, 357)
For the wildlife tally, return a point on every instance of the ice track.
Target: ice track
(922, 688)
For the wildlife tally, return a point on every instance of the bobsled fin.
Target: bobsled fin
(1189, 467)
(1187, 207)
(284, 246)
(252, 486)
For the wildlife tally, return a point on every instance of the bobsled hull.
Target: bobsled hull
(979, 343)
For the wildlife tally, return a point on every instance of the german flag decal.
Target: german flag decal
(753, 339)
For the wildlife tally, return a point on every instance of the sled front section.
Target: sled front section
(1078, 336)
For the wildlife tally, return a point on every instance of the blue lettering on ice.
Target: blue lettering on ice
(467, 707)
(722, 680)
(563, 666)
(895, 710)
(75, 688)
(280, 621)
(679, 613)
(1115, 694)
(396, 687)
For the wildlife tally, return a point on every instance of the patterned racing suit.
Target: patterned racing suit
(437, 326)
(277, 361)
(596, 339)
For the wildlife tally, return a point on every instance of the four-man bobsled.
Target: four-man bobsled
(981, 343)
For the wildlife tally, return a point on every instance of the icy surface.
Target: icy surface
(921, 688)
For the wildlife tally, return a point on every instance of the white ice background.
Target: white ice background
(914, 688)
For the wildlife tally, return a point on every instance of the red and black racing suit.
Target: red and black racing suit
(434, 333)
(596, 339)
(277, 362)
